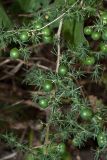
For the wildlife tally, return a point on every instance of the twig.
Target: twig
(78, 84)
(43, 67)
(47, 134)
(4, 62)
(13, 71)
(10, 156)
(21, 142)
(19, 102)
(37, 64)
(25, 15)
(57, 66)
(16, 69)
(61, 16)
(58, 46)
(46, 138)
(42, 59)
(78, 157)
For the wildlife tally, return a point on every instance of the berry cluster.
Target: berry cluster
(97, 35)
(85, 113)
(46, 32)
(88, 115)
(48, 86)
(24, 36)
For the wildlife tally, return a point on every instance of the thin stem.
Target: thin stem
(58, 46)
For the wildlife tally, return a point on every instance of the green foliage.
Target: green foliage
(32, 5)
(79, 38)
(68, 30)
(71, 115)
(5, 21)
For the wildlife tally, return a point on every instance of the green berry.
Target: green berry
(75, 142)
(105, 22)
(89, 61)
(103, 48)
(95, 36)
(46, 31)
(101, 139)
(104, 16)
(86, 114)
(14, 53)
(47, 39)
(87, 30)
(38, 25)
(48, 86)
(43, 103)
(24, 36)
(61, 148)
(104, 35)
(63, 70)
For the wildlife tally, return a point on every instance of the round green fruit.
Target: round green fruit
(102, 139)
(43, 103)
(47, 39)
(87, 31)
(63, 70)
(104, 35)
(103, 48)
(14, 53)
(89, 61)
(105, 22)
(75, 142)
(61, 148)
(104, 16)
(86, 114)
(48, 86)
(46, 31)
(24, 36)
(37, 25)
(95, 36)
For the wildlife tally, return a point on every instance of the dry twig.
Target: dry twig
(58, 46)
(10, 156)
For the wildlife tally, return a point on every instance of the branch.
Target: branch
(58, 18)
(10, 156)
(59, 47)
